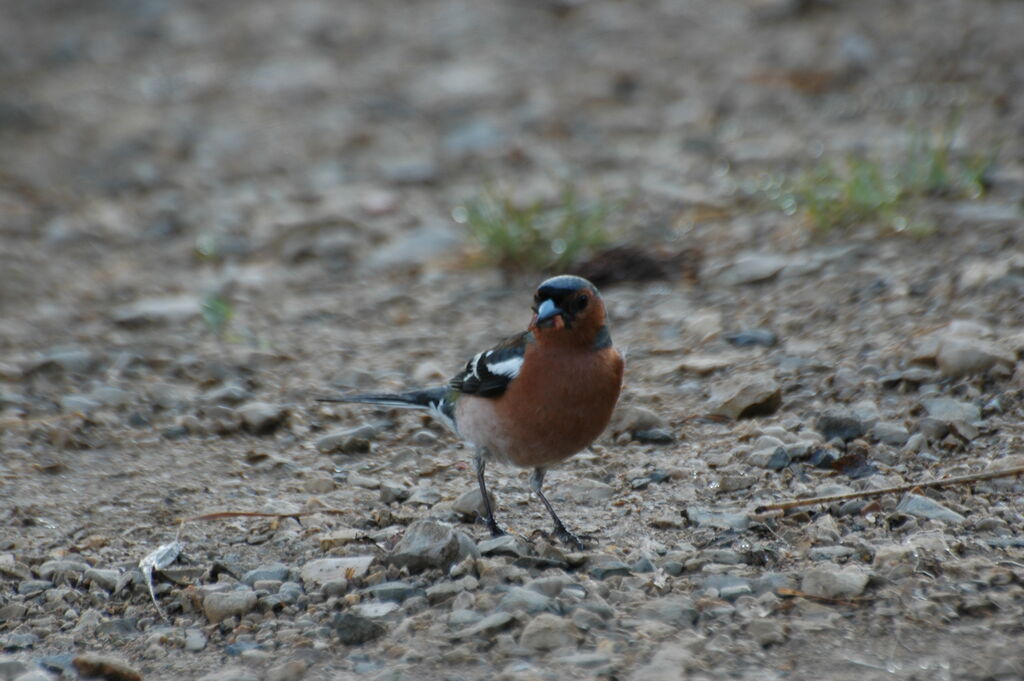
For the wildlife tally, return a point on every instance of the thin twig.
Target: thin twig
(945, 482)
(254, 514)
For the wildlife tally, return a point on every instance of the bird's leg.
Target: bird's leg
(479, 463)
(562, 534)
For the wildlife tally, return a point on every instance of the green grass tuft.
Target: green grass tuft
(864, 191)
(538, 236)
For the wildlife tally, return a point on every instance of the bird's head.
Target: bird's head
(568, 309)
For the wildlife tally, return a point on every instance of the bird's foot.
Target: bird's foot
(495, 529)
(568, 538)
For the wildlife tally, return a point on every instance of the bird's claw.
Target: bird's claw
(566, 537)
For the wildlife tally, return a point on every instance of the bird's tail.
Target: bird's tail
(429, 398)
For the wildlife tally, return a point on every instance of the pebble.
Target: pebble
(352, 629)
(170, 311)
(488, 626)
(396, 592)
(218, 606)
(526, 600)
(726, 520)
(277, 572)
(426, 543)
(752, 337)
(746, 395)
(347, 441)
(833, 582)
(924, 507)
(677, 611)
(669, 663)
(961, 356)
(323, 570)
(586, 491)
(470, 504)
(890, 433)
(752, 268)
(262, 417)
(947, 409)
(423, 496)
(105, 667)
(505, 545)
(603, 567)
(841, 423)
(654, 436)
(548, 632)
(766, 632)
(11, 667)
(289, 670)
(631, 418)
(195, 640)
(391, 492)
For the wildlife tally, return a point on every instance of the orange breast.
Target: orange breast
(559, 403)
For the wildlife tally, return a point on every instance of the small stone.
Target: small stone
(526, 600)
(676, 611)
(961, 356)
(831, 582)
(277, 572)
(766, 632)
(290, 670)
(353, 630)
(750, 337)
(548, 632)
(655, 436)
(602, 567)
(347, 441)
(391, 492)
(195, 640)
(396, 592)
(105, 579)
(319, 485)
(262, 417)
(470, 503)
(745, 396)
(325, 570)
(53, 570)
(426, 543)
(631, 418)
(488, 626)
(924, 507)
(18, 640)
(947, 409)
(586, 491)
(839, 423)
(505, 545)
(11, 667)
(102, 666)
(669, 663)
(890, 433)
(915, 443)
(733, 483)
(36, 675)
(230, 674)
(171, 311)
(221, 605)
(752, 268)
(424, 496)
(729, 587)
(705, 517)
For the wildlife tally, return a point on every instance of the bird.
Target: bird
(534, 399)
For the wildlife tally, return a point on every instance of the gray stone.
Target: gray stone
(470, 503)
(352, 629)
(839, 423)
(36, 675)
(173, 311)
(745, 395)
(505, 545)
(726, 520)
(218, 606)
(277, 572)
(527, 600)
(426, 543)
(548, 632)
(91, 665)
(347, 441)
(415, 249)
(423, 496)
(396, 591)
(654, 436)
(602, 567)
(961, 356)
(323, 570)
(831, 582)
(947, 409)
(391, 492)
(767, 632)
(729, 587)
(262, 417)
(11, 667)
(890, 433)
(289, 670)
(669, 663)
(231, 393)
(631, 418)
(53, 569)
(195, 640)
(586, 491)
(752, 268)
(488, 626)
(105, 579)
(924, 507)
(676, 611)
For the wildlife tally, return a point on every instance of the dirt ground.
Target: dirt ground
(298, 164)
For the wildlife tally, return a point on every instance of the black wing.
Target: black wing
(490, 371)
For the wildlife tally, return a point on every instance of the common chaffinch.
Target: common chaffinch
(534, 399)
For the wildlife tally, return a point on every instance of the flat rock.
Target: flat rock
(961, 356)
(890, 433)
(505, 545)
(947, 409)
(548, 632)
(746, 395)
(277, 572)
(221, 605)
(726, 520)
(323, 570)
(488, 626)
(262, 417)
(839, 422)
(924, 507)
(832, 582)
(752, 268)
(526, 600)
(90, 665)
(426, 543)
(470, 504)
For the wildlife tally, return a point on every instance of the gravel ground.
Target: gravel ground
(301, 161)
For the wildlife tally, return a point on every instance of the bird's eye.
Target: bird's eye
(581, 303)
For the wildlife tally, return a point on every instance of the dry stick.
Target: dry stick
(891, 490)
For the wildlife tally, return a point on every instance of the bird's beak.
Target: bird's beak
(547, 312)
